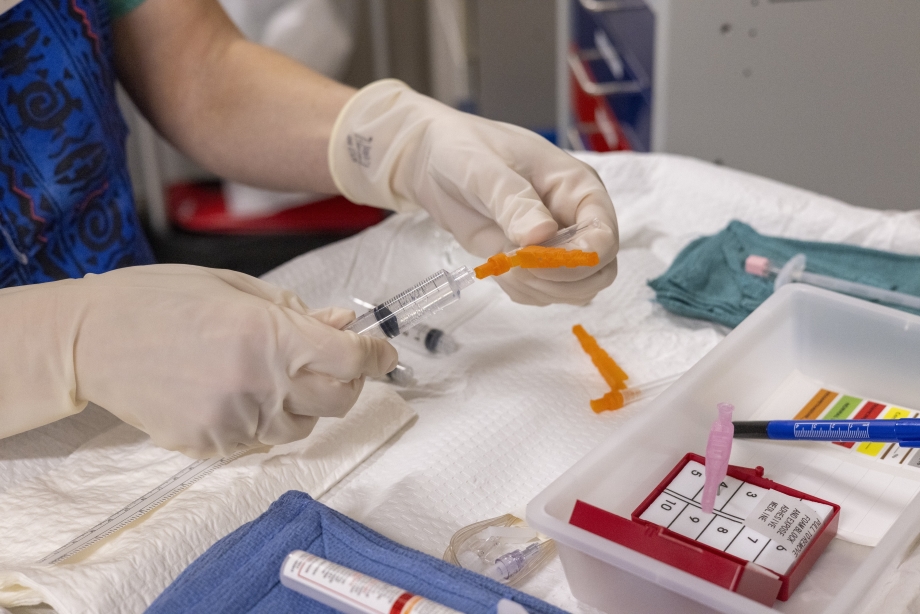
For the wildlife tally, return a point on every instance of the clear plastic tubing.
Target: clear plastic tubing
(408, 308)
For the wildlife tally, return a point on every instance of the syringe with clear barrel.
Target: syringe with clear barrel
(426, 298)
(794, 270)
(408, 308)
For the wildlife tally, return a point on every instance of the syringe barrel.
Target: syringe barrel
(400, 313)
(860, 290)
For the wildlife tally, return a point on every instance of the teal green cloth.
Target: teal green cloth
(707, 279)
(120, 8)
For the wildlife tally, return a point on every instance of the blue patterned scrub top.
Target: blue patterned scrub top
(66, 206)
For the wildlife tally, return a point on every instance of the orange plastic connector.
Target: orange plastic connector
(609, 369)
(611, 401)
(536, 257)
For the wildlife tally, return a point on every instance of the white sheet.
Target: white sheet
(504, 416)
(127, 571)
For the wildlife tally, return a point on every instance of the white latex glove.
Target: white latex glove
(205, 361)
(494, 186)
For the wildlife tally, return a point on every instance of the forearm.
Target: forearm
(241, 110)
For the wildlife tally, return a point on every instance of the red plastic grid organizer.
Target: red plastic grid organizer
(702, 560)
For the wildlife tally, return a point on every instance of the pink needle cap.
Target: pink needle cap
(757, 265)
(718, 450)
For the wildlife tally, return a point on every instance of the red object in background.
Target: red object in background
(200, 207)
(699, 559)
(589, 110)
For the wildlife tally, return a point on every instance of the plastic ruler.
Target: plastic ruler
(137, 508)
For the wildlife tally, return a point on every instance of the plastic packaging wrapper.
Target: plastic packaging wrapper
(504, 549)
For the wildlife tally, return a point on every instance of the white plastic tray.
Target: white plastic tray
(860, 346)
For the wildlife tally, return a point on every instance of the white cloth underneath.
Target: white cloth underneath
(125, 572)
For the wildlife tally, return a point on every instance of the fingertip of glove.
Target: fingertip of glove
(533, 226)
(387, 357)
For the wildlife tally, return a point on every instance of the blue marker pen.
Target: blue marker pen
(904, 431)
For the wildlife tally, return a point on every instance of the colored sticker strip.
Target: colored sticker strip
(869, 411)
(816, 405)
(843, 408)
(874, 448)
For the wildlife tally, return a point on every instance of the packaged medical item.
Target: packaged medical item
(349, 591)
(759, 541)
(503, 548)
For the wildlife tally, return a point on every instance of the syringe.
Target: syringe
(405, 310)
(408, 308)
(794, 271)
(424, 337)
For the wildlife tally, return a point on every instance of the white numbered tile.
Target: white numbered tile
(726, 491)
(744, 500)
(691, 522)
(775, 557)
(689, 482)
(664, 509)
(748, 544)
(720, 532)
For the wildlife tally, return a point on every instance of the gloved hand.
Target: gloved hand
(205, 361)
(494, 186)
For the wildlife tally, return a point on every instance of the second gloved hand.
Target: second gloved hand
(494, 186)
(205, 361)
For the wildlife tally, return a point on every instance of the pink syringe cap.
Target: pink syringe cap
(757, 265)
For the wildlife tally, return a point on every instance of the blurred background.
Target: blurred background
(822, 94)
